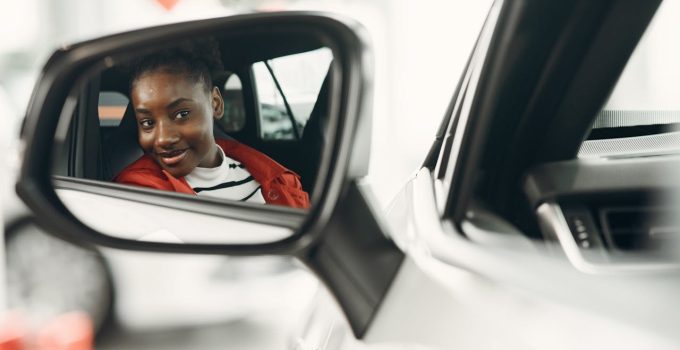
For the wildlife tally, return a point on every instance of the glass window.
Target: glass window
(112, 107)
(287, 89)
(642, 115)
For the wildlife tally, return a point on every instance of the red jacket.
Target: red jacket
(279, 185)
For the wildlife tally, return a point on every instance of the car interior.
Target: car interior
(102, 134)
(546, 153)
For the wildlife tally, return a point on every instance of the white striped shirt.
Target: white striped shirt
(230, 180)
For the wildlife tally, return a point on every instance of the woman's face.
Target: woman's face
(175, 120)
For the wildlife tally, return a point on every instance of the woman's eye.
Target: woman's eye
(182, 115)
(146, 123)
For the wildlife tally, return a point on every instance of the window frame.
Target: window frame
(458, 117)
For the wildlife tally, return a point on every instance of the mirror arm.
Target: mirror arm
(289, 110)
(356, 259)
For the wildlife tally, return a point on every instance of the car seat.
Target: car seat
(120, 148)
(314, 138)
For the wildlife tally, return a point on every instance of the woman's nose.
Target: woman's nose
(167, 135)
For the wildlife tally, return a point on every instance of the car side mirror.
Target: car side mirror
(66, 175)
(301, 110)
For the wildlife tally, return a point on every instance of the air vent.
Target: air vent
(639, 228)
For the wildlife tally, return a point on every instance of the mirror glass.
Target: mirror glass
(220, 132)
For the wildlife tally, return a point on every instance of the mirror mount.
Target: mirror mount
(356, 259)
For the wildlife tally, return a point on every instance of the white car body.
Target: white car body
(481, 282)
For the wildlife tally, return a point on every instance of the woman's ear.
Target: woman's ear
(217, 103)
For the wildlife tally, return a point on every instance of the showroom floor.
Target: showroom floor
(270, 331)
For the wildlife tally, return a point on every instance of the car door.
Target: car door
(517, 236)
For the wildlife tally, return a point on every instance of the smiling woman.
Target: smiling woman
(175, 104)
(171, 135)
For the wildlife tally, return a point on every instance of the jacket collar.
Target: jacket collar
(260, 166)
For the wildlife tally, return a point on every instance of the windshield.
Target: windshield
(642, 115)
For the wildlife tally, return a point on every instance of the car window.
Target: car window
(111, 108)
(284, 95)
(642, 114)
(234, 117)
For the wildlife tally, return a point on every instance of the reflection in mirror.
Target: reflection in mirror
(147, 222)
(234, 123)
(234, 116)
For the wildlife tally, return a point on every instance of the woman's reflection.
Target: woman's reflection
(175, 103)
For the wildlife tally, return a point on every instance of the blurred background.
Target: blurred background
(158, 301)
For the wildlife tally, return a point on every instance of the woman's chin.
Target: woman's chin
(178, 171)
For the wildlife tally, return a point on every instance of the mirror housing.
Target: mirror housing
(341, 238)
(345, 159)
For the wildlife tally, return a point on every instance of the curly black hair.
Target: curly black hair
(198, 59)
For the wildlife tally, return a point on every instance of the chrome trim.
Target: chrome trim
(551, 215)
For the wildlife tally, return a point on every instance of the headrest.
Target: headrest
(121, 147)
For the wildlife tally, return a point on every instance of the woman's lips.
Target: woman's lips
(172, 157)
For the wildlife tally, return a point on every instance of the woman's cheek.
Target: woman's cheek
(146, 141)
